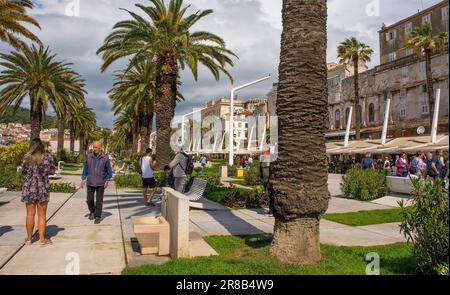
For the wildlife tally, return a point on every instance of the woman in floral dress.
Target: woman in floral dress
(36, 167)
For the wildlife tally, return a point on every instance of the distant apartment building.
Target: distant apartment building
(13, 132)
(393, 37)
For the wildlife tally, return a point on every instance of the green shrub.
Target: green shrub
(232, 171)
(364, 184)
(442, 269)
(80, 159)
(13, 154)
(239, 199)
(65, 156)
(426, 225)
(128, 181)
(10, 178)
(252, 175)
(62, 187)
(134, 180)
(136, 161)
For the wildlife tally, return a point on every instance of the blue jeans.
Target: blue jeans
(404, 173)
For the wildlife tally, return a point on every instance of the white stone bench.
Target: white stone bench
(175, 209)
(401, 185)
(3, 190)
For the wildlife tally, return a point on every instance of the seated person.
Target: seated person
(119, 169)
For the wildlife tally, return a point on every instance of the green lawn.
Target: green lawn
(239, 256)
(361, 218)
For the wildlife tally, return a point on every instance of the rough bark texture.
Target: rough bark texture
(82, 147)
(72, 140)
(356, 102)
(60, 145)
(166, 84)
(145, 129)
(299, 192)
(135, 136)
(430, 88)
(36, 119)
(296, 241)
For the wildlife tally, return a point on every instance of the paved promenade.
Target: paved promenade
(108, 247)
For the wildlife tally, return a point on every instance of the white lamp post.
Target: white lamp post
(434, 127)
(349, 126)
(386, 122)
(231, 125)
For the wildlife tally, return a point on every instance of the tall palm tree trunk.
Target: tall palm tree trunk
(299, 192)
(135, 133)
(36, 119)
(166, 85)
(430, 87)
(72, 140)
(60, 145)
(145, 129)
(356, 104)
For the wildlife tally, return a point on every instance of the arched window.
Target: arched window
(337, 119)
(371, 113)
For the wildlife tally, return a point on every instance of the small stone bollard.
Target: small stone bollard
(224, 171)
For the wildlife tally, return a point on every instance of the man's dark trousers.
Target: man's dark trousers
(97, 206)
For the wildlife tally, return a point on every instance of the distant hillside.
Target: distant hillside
(22, 115)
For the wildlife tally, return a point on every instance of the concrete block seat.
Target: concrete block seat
(401, 185)
(152, 233)
(3, 190)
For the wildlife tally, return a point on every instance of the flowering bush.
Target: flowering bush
(13, 154)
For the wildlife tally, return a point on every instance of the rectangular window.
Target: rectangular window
(405, 72)
(402, 93)
(403, 112)
(391, 35)
(392, 56)
(424, 109)
(445, 13)
(422, 67)
(426, 18)
(408, 29)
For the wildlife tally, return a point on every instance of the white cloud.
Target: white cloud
(251, 28)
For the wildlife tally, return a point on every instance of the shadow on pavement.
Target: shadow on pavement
(5, 229)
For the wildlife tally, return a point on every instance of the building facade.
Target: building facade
(401, 77)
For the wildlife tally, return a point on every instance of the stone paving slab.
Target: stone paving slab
(342, 205)
(392, 201)
(100, 247)
(53, 260)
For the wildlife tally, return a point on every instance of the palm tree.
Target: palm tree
(37, 76)
(74, 97)
(298, 182)
(86, 128)
(135, 88)
(80, 121)
(122, 134)
(12, 13)
(164, 36)
(422, 41)
(351, 51)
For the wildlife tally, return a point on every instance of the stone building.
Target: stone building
(402, 79)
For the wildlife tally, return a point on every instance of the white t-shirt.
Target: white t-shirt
(147, 171)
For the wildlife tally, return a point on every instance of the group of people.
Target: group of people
(246, 161)
(98, 171)
(421, 164)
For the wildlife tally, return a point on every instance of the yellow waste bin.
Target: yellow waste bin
(240, 172)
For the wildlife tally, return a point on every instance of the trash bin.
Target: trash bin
(240, 172)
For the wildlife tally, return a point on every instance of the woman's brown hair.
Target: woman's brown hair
(35, 153)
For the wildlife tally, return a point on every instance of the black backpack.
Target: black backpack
(189, 163)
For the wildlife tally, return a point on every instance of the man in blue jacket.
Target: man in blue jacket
(97, 172)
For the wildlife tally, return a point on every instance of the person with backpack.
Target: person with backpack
(182, 165)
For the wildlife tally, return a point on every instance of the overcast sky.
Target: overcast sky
(251, 28)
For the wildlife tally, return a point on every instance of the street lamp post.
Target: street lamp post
(231, 125)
